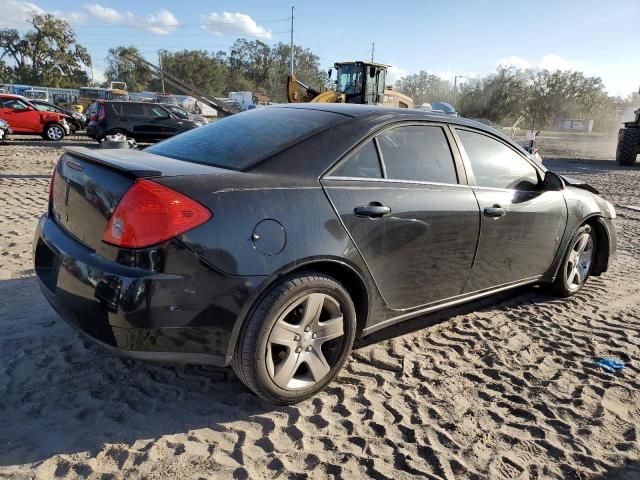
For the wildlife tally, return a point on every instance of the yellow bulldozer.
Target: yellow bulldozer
(357, 82)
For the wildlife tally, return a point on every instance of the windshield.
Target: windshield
(349, 79)
(35, 95)
(118, 96)
(242, 140)
(177, 111)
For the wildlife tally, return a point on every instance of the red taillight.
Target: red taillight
(150, 213)
(92, 117)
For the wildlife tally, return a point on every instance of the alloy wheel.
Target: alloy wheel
(305, 341)
(54, 132)
(579, 261)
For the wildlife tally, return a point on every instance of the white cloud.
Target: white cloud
(550, 62)
(16, 13)
(71, 17)
(239, 24)
(161, 22)
(395, 73)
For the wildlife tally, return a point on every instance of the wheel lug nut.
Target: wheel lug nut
(308, 349)
(314, 335)
(298, 349)
(306, 329)
(296, 338)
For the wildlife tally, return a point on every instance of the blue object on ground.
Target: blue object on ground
(610, 365)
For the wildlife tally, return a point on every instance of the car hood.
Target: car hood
(572, 182)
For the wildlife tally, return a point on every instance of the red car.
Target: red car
(25, 118)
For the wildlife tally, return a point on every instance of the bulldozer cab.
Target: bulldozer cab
(361, 82)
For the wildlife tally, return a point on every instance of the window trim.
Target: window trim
(458, 165)
(467, 163)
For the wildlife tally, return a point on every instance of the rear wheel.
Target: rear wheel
(297, 339)
(577, 262)
(53, 132)
(628, 145)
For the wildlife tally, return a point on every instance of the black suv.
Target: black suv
(144, 122)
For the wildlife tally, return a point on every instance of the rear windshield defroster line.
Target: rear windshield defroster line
(240, 141)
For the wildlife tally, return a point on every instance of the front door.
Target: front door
(22, 117)
(415, 226)
(521, 224)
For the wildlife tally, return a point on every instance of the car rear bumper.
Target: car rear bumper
(187, 318)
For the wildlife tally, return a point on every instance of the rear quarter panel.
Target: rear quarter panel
(311, 228)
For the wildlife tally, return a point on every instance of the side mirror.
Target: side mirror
(552, 182)
(329, 73)
(31, 109)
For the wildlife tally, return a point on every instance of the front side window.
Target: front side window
(364, 163)
(417, 153)
(156, 111)
(14, 104)
(496, 165)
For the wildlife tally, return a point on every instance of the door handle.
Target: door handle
(495, 211)
(373, 210)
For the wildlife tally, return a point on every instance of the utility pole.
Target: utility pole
(160, 65)
(373, 49)
(292, 15)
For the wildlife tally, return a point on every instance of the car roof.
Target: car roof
(357, 110)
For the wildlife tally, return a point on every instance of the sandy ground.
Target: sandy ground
(506, 389)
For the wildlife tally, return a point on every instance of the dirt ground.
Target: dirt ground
(506, 389)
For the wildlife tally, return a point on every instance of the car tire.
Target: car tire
(297, 338)
(628, 145)
(577, 263)
(54, 132)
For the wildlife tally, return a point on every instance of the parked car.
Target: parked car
(5, 129)
(25, 118)
(180, 112)
(271, 239)
(76, 121)
(144, 122)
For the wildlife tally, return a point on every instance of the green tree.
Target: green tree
(197, 67)
(425, 87)
(121, 69)
(47, 55)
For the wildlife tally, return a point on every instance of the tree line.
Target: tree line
(502, 97)
(50, 55)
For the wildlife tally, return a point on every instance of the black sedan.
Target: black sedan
(272, 239)
(76, 120)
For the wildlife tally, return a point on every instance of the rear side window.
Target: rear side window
(417, 153)
(240, 141)
(364, 163)
(129, 109)
(496, 165)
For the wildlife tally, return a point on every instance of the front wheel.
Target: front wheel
(628, 146)
(577, 262)
(53, 132)
(297, 339)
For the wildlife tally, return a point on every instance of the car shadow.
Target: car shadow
(64, 394)
(513, 297)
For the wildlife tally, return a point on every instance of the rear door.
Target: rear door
(521, 224)
(129, 116)
(406, 206)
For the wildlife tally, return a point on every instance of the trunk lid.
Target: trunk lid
(89, 183)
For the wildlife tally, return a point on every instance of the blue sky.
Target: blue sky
(462, 37)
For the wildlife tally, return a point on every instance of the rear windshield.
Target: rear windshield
(239, 141)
